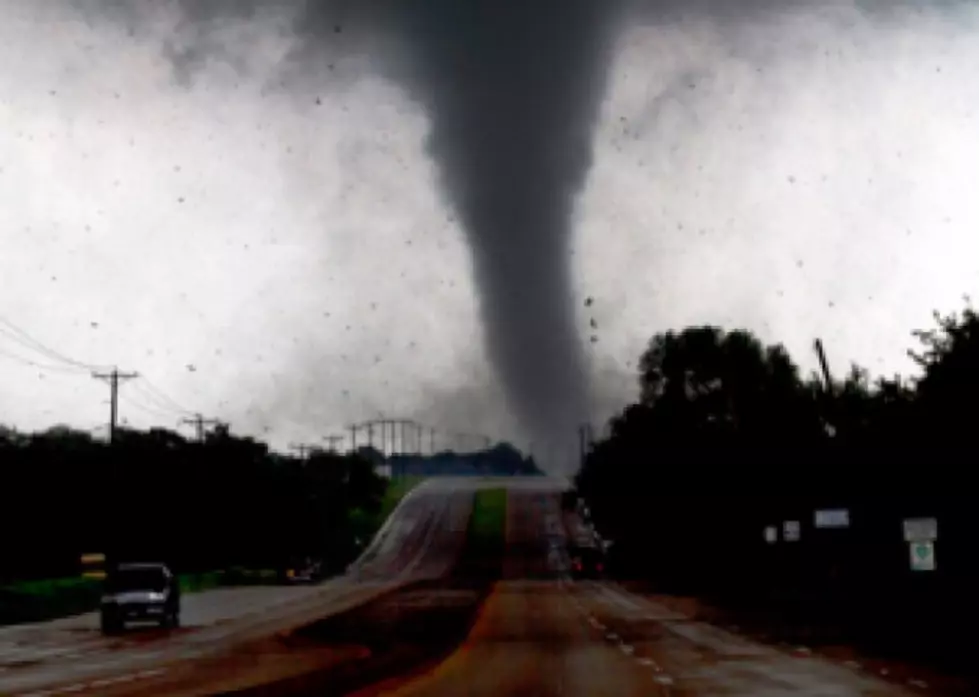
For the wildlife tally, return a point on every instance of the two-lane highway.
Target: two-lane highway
(537, 633)
(540, 633)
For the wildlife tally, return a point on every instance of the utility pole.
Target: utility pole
(199, 422)
(113, 377)
(829, 392)
(332, 442)
(406, 444)
(818, 346)
(385, 424)
(353, 438)
(431, 440)
(303, 449)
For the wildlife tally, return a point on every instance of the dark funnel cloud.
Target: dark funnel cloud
(513, 91)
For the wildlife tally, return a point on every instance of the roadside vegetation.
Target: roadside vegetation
(728, 440)
(487, 532)
(224, 512)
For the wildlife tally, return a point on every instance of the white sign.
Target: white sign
(920, 529)
(922, 556)
(833, 518)
(771, 534)
(791, 530)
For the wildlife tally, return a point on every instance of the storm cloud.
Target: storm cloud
(757, 163)
(512, 90)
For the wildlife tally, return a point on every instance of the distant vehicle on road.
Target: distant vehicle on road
(140, 592)
(587, 562)
(306, 571)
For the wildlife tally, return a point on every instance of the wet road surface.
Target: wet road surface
(537, 632)
(70, 656)
(541, 634)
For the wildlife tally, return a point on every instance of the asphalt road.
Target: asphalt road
(69, 656)
(541, 634)
(30, 645)
(537, 633)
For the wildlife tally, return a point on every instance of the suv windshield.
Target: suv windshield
(150, 579)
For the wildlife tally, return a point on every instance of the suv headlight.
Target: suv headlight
(157, 597)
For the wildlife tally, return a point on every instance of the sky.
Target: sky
(273, 245)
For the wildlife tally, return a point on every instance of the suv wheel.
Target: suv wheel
(170, 620)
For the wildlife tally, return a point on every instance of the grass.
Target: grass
(488, 516)
(486, 534)
(37, 601)
(396, 490)
(47, 599)
(364, 525)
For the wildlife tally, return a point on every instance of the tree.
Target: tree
(720, 389)
(947, 393)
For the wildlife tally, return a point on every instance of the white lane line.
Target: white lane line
(151, 673)
(77, 687)
(626, 649)
(664, 679)
(612, 636)
(103, 682)
(921, 684)
(805, 650)
(115, 680)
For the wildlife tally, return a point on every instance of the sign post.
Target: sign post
(832, 518)
(920, 534)
(93, 566)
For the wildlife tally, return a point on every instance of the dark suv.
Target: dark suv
(140, 592)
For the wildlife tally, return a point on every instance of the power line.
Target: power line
(157, 401)
(144, 408)
(24, 339)
(163, 395)
(40, 366)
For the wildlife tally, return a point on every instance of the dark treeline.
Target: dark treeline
(727, 438)
(225, 502)
(500, 460)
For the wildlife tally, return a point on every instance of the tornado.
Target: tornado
(513, 90)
